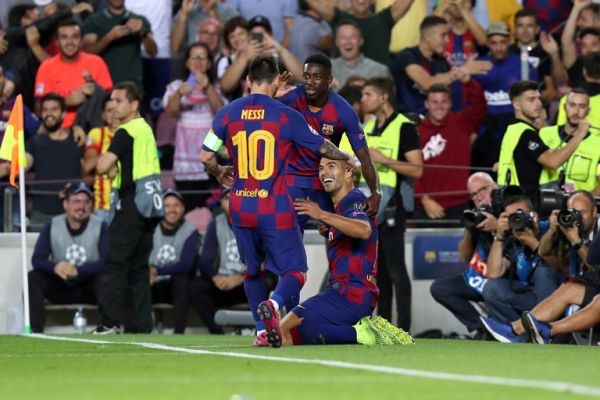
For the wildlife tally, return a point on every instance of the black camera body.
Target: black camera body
(472, 218)
(521, 220)
(569, 217)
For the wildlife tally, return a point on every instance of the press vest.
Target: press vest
(146, 170)
(229, 256)
(388, 142)
(507, 158)
(167, 249)
(581, 168)
(77, 250)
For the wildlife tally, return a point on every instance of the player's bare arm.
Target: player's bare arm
(331, 151)
(223, 174)
(348, 226)
(372, 179)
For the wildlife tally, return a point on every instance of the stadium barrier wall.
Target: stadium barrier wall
(430, 253)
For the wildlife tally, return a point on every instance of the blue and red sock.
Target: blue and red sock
(287, 292)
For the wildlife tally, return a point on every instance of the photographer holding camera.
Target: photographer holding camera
(571, 230)
(518, 277)
(456, 292)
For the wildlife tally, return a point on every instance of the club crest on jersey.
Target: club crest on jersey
(327, 129)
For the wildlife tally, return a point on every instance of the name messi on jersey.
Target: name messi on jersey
(253, 113)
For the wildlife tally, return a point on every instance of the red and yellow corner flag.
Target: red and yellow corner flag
(13, 144)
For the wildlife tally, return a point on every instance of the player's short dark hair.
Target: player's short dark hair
(591, 65)
(527, 12)
(437, 88)
(230, 26)
(67, 22)
(384, 85)
(520, 87)
(351, 93)
(588, 31)
(263, 68)
(132, 91)
(54, 97)
(431, 21)
(518, 198)
(319, 59)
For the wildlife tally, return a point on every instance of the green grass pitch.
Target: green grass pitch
(33, 368)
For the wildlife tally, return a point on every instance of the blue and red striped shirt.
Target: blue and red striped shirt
(353, 262)
(260, 133)
(331, 121)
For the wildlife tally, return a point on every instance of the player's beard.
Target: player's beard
(52, 127)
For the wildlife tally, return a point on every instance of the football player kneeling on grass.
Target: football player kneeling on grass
(342, 312)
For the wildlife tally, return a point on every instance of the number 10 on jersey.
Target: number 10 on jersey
(249, 154)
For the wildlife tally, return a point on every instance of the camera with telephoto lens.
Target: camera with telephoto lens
(521, 220)
(475, 216)
(570, 217)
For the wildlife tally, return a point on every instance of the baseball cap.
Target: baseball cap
(497, 28)
(172, 192)
(77, 187)
(260, 20)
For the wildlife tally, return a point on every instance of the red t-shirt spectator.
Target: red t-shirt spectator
(450, 144)
(57, 76)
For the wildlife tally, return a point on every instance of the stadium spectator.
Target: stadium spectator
(309, 33)
(406, 30)
(131, 161)
(244, 47)
(348, 40)
(415, 69)
(506, 70)
(591, 84)
(220, 283)
(581, 170)
(465, 35)
(55, 156)
(68, 256)
(209, 32)
(174, 251)
(330, 116)
(73, 73)
(342, 312)
(27, 37)
(194, 102)
(280, 15)
(445, 140)
(376, 28)
(191, 18)
(156, 67)
(457, 292)
(523, 154)
(567, 240)
(581, 30)
(518, 278)
(261, 210)
(527, 31)
(394, 148)
(98, 142)
(117, 35)
(490, 11)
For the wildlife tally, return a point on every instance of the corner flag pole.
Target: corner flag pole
(23, 220)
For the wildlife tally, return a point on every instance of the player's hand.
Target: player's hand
(433, 209)
(32, 34)
(226, 175)
(548, 43)
(323, 230)
(308, 207)
(282, 85)
(372, 205)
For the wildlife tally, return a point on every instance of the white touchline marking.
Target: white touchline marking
(554, 386)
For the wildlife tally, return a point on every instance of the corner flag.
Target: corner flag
(13, 144)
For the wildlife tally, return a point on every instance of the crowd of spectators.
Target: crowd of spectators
(476, 82)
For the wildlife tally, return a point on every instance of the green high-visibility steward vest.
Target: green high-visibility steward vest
(388, 143)
(581, 167)
(593, 116)
(507, 149)
(146, 170)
